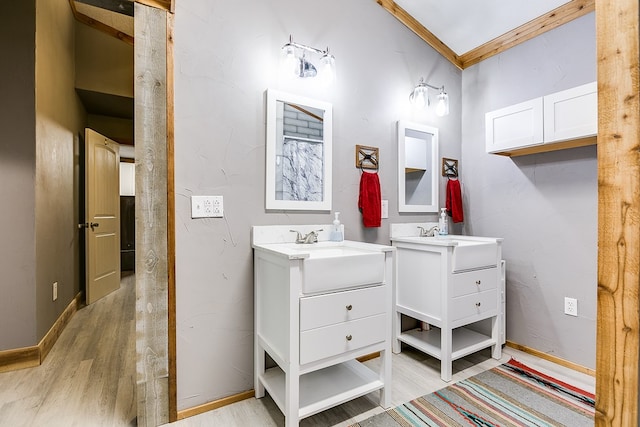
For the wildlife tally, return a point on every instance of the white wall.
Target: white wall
(226, 56)
(544, 205)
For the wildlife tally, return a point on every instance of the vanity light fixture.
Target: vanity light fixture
(420, 97)
(298, 65)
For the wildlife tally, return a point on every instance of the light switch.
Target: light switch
(207, 207)
(385, 209)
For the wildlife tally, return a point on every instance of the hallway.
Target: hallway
(88, 378)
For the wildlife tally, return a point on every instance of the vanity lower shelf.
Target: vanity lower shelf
(464, 341)
(324, 388)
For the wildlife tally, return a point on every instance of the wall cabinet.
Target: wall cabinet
(315, 338)
(557, 121)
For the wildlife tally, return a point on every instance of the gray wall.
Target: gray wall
(225, 59)
(59, 119)
(40, 118)
(544, 205)
(17, 174)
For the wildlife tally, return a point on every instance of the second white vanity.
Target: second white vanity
(319, 307)
(453, 284)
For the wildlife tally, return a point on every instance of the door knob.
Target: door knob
(85, 225)
(94, 225)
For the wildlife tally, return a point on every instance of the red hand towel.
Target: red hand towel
(454, 200)
(370, 199)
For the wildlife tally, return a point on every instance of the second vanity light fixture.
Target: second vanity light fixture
(420, 97)
(296, 63)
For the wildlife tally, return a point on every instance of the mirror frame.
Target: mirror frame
(271, 203)
(403, 126)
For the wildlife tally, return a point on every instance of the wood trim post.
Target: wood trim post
(171, 228)
(152, 275)
(618, 213)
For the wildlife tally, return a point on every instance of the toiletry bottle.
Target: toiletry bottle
(443, 223)
(336, 230)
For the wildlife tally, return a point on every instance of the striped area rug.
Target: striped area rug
(510, 395)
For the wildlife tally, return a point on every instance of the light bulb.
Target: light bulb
(420, 97)
(442, 107)
(327, 72)
(290, 64)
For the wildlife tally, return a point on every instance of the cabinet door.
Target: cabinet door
(515, 126)
(571, 114)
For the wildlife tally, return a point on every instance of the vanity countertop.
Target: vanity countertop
(321, 249)
(447, 240)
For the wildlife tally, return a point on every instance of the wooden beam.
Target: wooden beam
(617, 327)
(80, 17)
(168, 5)
(152, 264)
(421, 31)
(171, 228)
(557, 17)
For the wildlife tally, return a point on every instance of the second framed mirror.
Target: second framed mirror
(417, 167)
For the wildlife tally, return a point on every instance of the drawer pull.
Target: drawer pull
(477, 304)
(478, 282)
(349, 307)
(349, 337)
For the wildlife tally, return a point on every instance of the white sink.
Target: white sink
(332, 266)
(468, 252)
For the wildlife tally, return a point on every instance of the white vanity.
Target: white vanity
(319, 307)
(455, 284)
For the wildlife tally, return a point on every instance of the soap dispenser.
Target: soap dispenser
(336, 230)
(443, 223)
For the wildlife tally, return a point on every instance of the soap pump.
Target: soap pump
(443, 223)
(336, 230)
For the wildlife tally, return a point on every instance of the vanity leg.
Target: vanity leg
(446, 347)
(292, 399)
(397, 326)
(385, 377)
(496, 349)
(258, 369)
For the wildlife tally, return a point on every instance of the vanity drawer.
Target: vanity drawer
(474, 281)
(336, 307)
(473, 305)
(336, 339)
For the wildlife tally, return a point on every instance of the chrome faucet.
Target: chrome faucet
(430, 232)
(312, 237)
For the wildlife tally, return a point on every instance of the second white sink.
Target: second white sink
(469, 252)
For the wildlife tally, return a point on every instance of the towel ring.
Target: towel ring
(449, 167)
(367, 157)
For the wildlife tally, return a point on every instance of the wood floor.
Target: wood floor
(414, 374)
(88, 379)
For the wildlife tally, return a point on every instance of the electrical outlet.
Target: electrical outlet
(570, 306)
(385, 209)
(55, 291)
(206, 207)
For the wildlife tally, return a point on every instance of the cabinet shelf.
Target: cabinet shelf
(464, 341)
(324, 388)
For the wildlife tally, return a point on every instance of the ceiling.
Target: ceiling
(469, 31)
(464, 25)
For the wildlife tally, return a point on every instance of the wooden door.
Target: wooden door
(102, 230)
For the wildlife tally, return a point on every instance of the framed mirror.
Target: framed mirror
(417, 167)
(298, 156)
